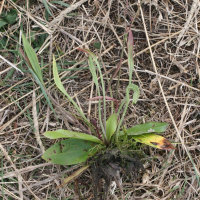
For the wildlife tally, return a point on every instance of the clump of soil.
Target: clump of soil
(109, 166)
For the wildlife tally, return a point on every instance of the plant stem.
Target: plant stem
(95, 124)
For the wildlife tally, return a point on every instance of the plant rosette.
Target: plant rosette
(104, 146)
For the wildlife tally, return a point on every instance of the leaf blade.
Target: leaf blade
(130, 55)
(47, 7)
(10, 17)
(61, 133)
(43, 90)
(154, 140)
(61, 3)
(149, 127)
(32, 58)
(69, 152)
(62, 89)
(73, 176)
(111, 126)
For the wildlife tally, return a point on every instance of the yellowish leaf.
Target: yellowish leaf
(154, 140)
(73, 176)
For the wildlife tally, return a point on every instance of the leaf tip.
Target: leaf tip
(165, 144)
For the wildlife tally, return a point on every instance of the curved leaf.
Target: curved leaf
(149, 127)
(111, 126)
(69, 152)
(61, 133)
(136, 94)
(154, 140)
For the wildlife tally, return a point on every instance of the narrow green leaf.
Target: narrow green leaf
(69, 152)
(43, 90)
(111, 125)
(91, 65)
(149, 127)
(32, 36)
(173, 189)
(32, 58)
(182, 190)
(130, 55)
(62, 89)
(47, 7)
(71, 134)
(61, 3)
(94, 75)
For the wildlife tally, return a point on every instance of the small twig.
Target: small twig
(16, 170)
(36, 125)
(195, 7)
(1, 8)
(12, 65)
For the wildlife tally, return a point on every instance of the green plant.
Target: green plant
(8, 18)
(78, 147)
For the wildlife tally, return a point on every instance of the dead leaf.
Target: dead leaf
(73, 176)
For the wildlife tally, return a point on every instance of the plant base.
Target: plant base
(109, 166)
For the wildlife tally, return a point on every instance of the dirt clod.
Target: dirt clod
(110, 166)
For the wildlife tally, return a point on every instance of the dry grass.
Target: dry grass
(167, 70)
